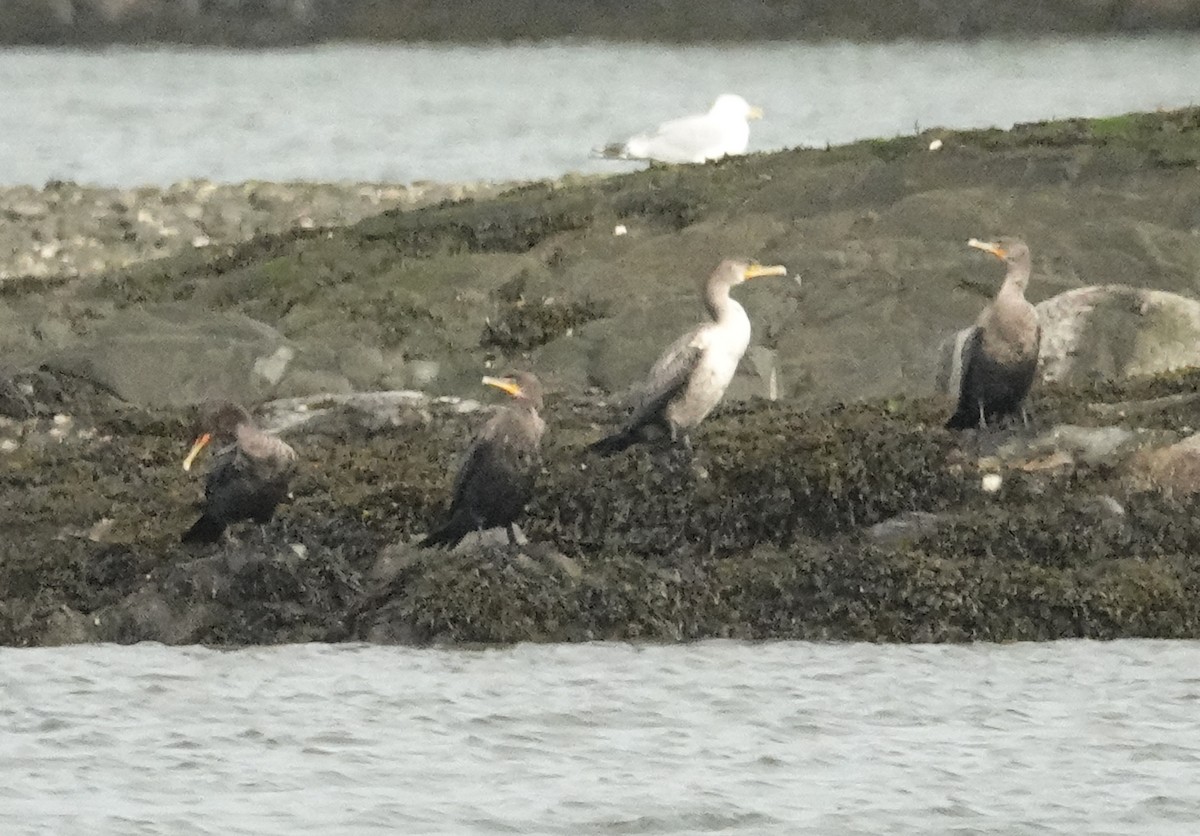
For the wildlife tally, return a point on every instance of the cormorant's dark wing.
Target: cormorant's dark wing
(236, 488)
(474, 461)
(239, 487)
(667, 378)
(966, 415)
(493, 484)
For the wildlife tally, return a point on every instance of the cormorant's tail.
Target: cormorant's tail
(614, 443)
(449, 534)
(204, 530)
(962, 420)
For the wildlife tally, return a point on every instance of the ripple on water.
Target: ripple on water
(465, 113)
(1062, 738)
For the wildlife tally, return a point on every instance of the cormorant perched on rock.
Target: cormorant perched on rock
(998, 358)
(496, 479)
(693, 373)
(249, 476)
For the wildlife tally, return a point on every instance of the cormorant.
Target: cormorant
(496, 479)
(722, 131)
(999, 356)
(691, 376)
(248, 477)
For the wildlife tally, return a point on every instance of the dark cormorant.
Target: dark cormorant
(692, 374)
(248, 477)
(496, 479)
(999, 356)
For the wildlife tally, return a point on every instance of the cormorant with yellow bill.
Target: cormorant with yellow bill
(692, 375)
(497, 476)
(999, 357)
(248, 477)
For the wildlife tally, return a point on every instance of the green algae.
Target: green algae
(761, 536)
(764, 535)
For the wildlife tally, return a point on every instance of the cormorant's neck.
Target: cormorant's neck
(1017, 278)
(245, 430)
(718, 302)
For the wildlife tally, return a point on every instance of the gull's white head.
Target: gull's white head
(733, 106)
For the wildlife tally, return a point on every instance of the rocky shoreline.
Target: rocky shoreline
(290, 22)
(838, 510)
(66, 229)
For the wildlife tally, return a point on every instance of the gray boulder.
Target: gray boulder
(173, 355)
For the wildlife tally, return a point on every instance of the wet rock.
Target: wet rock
(768, 542)
(66, 626)
(290, 22)
(102, 229)
(904, 528)
(359, 414)
(13, 401)
(174, 356)
(1067, 444)
(1115, 332)
(1173, 470)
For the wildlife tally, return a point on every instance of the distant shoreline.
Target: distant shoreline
(63, 230)
(93, 23)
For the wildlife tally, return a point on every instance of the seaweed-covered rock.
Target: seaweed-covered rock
(865, 521)
(1173, 470)
(770, 530)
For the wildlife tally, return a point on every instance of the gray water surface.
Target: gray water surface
(1057, 738)
(402, 113)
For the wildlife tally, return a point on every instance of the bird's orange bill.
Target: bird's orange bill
(505, 384)
(756, 270)
(755, 112)
(988, 247)
(195, 451)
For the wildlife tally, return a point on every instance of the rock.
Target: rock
(492, 538)
(770, 543)
(13, 402)
(1107, 506)
(271, 369)
(565, 565)
(67, 626)
(905, 528)
(358, 414)
(288, 23)
(172, 355)
(1172, 470)
(98, 230)
(393, 560)
(1071, 443)
(1116, 332)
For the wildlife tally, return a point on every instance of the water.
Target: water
(398, 113)
(1061, 738)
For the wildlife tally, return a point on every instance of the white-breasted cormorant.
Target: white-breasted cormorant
(692, 375)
